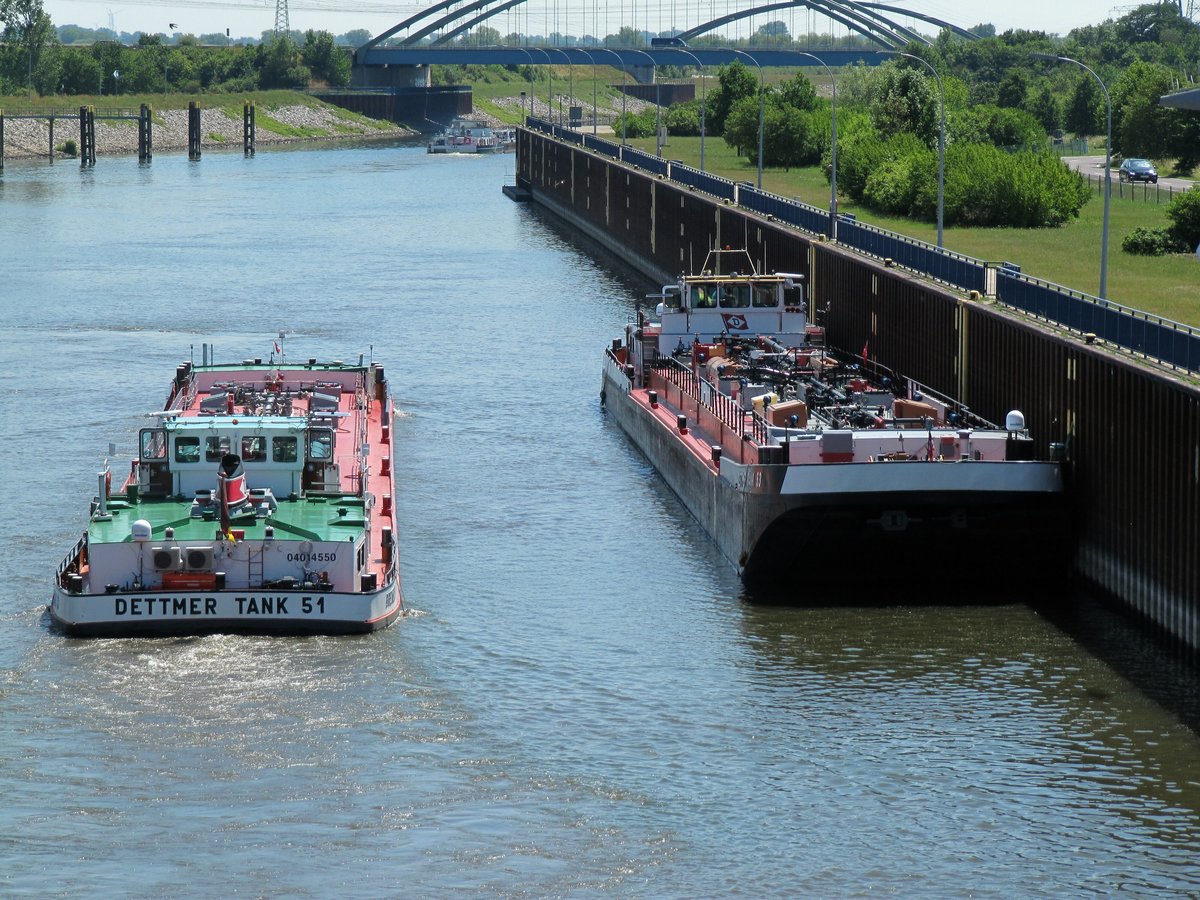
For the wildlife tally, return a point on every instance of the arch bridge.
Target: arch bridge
(424, 39)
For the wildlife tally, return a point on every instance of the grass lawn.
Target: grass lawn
(1070, 255)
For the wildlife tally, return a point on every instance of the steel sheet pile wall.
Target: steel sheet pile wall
(1133, 433)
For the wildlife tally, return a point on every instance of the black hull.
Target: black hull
(893, 545)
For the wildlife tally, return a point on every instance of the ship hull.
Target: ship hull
(899, 525)
(263, 611)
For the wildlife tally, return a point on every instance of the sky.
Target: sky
(249, 18)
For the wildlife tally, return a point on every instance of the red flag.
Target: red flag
(278, 349)
(864, 353)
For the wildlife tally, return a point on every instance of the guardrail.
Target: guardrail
(1142, 333)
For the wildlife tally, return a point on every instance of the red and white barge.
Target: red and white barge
(261, 500)
(808, 467)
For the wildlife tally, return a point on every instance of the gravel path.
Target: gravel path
(31, 137)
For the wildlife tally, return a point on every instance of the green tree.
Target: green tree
(27, 26)
(736, 83)
(1046, 109)
(1012, 90)
(326, 61)
(904, 100)
(79, 73)
(741, 128)
(1085, 109)
(280, 65)
(798, 93)
(1184, 213)
(1140, 126)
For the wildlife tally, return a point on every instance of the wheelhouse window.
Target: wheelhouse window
(254, 448)
(284, 450)
(704, 296)
(735, 296)
(764, 297)
(320, 443)
(153, 443)
(187, 449)
(215, 447)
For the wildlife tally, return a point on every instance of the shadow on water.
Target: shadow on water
(1160, 669)
(1163, 670)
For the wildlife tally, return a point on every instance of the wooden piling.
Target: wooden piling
(248, 127)
(1, 140)
(51, 149)
(87, 136)
(145, 137)
(193, 130)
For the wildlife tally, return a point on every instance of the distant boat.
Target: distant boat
(808, 467)
(262, 500)
(465, 136)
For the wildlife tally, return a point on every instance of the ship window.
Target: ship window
(704, 296)
(283, 450)
(764, 297)
(254, 448)
(215, 447)
(187, 449)
(737, 296)
(153, 443)
(320, 444)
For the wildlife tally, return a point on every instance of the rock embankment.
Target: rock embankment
(31, 137)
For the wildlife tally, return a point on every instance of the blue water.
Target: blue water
(582, 702)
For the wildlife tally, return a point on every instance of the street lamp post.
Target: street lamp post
(657, 102)
(624, 86)
(531, 65)
(941, 134)
(761, 100)
(571, 89)
(593, 59)
(1050, 57)
(550, 89)
(703, 98)
(832, 144)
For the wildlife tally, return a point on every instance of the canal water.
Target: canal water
(582, 702)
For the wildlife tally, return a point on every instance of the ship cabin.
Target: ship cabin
(730, 298)
(280, 453)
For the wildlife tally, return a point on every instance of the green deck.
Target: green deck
(333, 518)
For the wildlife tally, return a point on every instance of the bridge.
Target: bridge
(434, 36)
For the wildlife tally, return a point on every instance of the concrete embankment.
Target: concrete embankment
(27, 138)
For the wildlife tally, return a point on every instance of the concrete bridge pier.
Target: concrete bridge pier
(389, 77)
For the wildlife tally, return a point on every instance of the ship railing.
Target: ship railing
(743, 434)
(71, 560)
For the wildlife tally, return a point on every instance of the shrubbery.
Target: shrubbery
(1184, 213)
(1183, 236)
(984, 185)
(1144, 241)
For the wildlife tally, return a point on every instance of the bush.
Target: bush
(68, 148)
(1184, 213)
(683, 119)
(637, 125)
(1152, 242)
(892, 188)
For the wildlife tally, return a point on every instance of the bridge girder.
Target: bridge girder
(857, 15)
